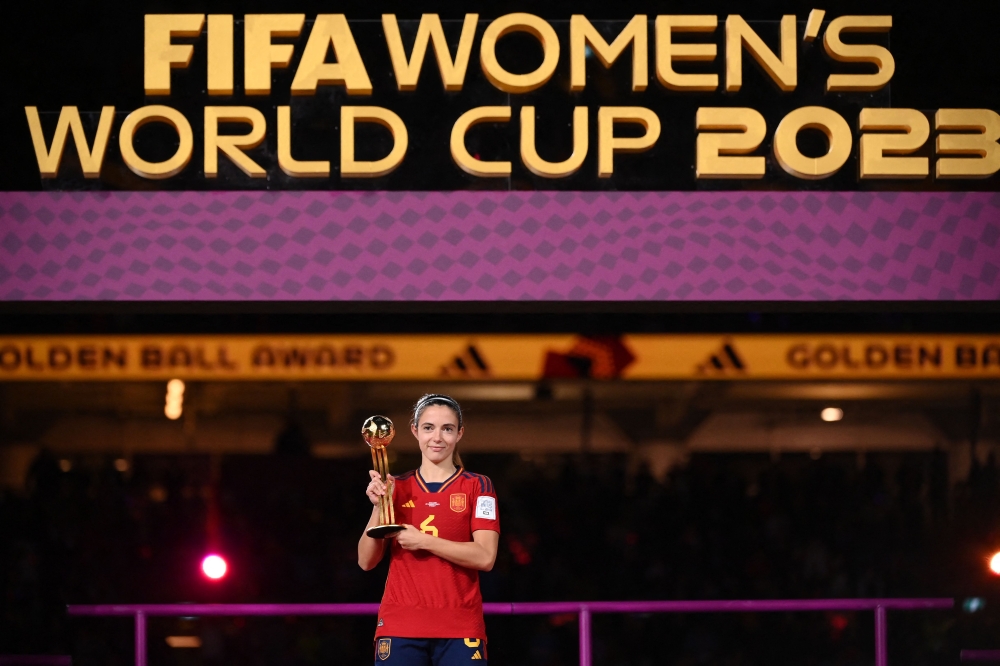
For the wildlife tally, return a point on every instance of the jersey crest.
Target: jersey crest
(458, 503)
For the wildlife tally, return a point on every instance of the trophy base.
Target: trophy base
(382, 531)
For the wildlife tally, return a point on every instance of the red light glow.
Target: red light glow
(214, 567)
(995, 563)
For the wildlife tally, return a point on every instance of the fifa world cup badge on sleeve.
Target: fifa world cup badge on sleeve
(486, 507)
(384, 644)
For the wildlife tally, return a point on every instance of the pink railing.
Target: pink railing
(583, 609)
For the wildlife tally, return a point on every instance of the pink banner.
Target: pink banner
(483, 246)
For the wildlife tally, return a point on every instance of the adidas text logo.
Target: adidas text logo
(470, 363)
(409, 505)
(723, 361)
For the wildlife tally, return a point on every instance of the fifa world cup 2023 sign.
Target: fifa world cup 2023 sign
(652, 157)
(893, 143)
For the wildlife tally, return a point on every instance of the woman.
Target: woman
(432, 610)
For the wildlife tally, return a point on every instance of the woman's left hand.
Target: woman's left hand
(410, 538)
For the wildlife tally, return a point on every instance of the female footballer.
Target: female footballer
(432, 609)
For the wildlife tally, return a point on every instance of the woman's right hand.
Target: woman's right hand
(376, 488)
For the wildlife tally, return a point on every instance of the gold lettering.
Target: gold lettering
(86, 357)
(29, 359)
(870, 53)
(325, 356)
(352, 168)
(220, 54)
(667, 52)
(156, 114)
(910, 131)
(151, 357)
(60, 357)
(354, 356)
(10, 357)
(232, 146)
(224, 360)
(201, 361)
(117, 357)
(825, 356)
(798, 357)
(519, 22)
(983, 131)
(179, 356)
(69, 120)
(608, 144)
(159, 55)
(965, 356)
(716, 150)
(930, 356)
(262, 356)
(382, 357)
(991, 355)
(876, 356)
(260, 55)
(545, 169)
(783, 71)
(903, 356)
(838, 135)
(582, 32)
(459, 153)
(293, 167)
(813, 24)
(349, 70)
(429, 30)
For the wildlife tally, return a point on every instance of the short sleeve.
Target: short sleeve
(485, 506)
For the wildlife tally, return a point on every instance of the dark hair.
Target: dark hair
(431, 399)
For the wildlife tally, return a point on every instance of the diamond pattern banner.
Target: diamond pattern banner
(560, 246)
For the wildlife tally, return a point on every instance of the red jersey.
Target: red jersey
(425, 595)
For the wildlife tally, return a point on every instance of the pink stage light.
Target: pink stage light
(995, 563)
(214, 567)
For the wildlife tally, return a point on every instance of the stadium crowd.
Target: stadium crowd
(719, 527)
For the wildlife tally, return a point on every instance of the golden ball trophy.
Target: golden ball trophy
(378, 433)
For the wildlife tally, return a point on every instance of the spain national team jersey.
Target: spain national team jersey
(425, 595)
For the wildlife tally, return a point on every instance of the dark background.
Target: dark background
(91, 55)
(729, 526)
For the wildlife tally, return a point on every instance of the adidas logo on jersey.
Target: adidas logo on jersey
(409, 505)
(477, 655)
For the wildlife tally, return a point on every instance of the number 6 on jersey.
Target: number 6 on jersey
(427, 528)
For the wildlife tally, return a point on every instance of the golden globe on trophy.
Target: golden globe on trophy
(378, 433)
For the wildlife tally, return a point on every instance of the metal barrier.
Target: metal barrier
(980, 655)
(583, 609)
